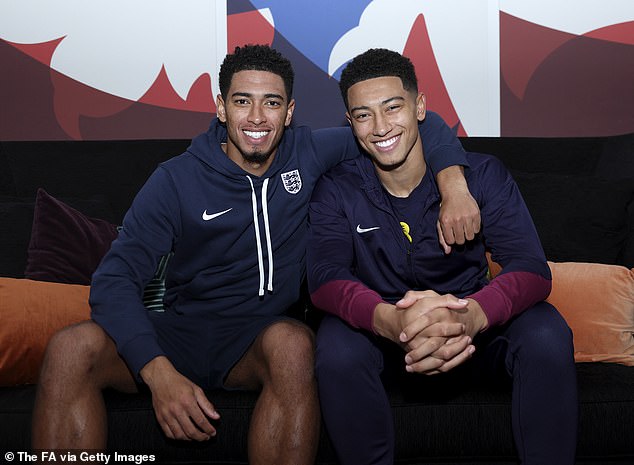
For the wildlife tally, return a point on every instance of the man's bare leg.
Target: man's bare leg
(69, 411)
(285, 422)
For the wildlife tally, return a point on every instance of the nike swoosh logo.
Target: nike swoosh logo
(361, 230)
(207, 217)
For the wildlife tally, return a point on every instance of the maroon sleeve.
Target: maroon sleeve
(351, 301)
(508, 294)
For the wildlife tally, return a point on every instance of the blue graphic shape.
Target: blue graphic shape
(314, 27)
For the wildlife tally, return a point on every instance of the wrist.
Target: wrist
(384, 321)
(152, 370)
(451, 180)
(478, 319)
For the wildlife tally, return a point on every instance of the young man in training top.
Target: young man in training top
(375, 266)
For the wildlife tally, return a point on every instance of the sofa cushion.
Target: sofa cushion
(66, 246)
(31, 311)
(83, 169)
(578, 218)
(16, 222)
(16, 218)
(597, 302)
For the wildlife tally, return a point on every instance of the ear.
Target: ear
(221, 111)
(351, 123)
(421, 106)
(289, 112)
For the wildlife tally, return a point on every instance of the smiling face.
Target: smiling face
(256, 111)
(384, 117)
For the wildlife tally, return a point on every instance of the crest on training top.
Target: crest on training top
(292, 181)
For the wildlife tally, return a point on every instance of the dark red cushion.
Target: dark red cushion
(66, 246)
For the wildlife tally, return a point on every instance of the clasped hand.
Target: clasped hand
(437, 331)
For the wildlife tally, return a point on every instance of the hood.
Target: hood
(207, 148)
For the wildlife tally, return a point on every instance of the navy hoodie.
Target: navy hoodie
(238, 240)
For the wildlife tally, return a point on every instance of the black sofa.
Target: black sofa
(580, 193)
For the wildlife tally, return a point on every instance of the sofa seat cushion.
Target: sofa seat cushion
(606, 420)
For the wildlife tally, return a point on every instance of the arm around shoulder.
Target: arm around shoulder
(459, 219)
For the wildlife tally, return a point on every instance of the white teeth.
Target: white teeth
(256, 134)
(386, 143)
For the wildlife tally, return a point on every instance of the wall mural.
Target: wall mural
(73, 69)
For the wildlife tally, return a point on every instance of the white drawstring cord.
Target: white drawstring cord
(269, 248)
(254, 203)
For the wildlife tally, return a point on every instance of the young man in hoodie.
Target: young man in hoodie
(232, 213)
(374, 264)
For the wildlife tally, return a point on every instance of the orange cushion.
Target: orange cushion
(597, 302)
(30, 312)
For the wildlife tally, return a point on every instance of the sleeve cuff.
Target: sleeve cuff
(349, 300)
(138, 352)
(490, 300)
(510, 294)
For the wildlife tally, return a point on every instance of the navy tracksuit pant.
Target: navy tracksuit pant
(533, 351)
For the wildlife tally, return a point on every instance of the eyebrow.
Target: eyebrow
(386, 101)
(249, 95)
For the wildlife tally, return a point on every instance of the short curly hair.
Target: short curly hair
(374, 63)
(255, 58)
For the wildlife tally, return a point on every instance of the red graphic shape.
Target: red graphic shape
(162, 94)
(420, 51)
(523, 48)
(73, 99)
(81, 110)
(42, 52)
(622, 33)
(582, 88)
(248, 28)
(26, 108)
(242, 28)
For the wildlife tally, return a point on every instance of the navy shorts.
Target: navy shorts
(205, 350)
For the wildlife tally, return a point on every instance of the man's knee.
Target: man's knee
(76, 350)
(549, 324)
(289, 350)
(548, 336)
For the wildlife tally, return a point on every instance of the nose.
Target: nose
(381, 125)
(256, 114)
